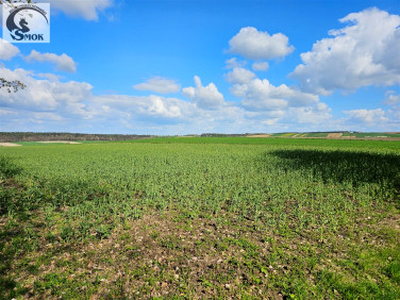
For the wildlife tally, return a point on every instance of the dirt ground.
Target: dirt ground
(9, 145)
(259, 135)
(334, 135)
(58, 142)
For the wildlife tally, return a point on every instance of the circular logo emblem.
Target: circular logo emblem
(26, 18)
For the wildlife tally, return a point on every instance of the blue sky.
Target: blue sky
(194, 66)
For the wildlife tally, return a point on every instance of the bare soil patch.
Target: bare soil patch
(334, 135)
(59, 142)
(259, 135)
(9, 145)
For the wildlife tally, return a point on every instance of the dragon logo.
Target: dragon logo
(20, 30)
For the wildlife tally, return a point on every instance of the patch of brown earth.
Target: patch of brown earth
(334, 135)
(58, 142)
(167, 255)
(9, 145)
(259, 135)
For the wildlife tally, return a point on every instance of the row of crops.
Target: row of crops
(72, 195)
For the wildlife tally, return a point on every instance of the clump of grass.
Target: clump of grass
(8, 168)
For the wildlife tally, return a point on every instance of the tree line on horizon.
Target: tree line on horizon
(55, 136)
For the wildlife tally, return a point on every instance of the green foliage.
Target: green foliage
(299, 218)
(8, 169)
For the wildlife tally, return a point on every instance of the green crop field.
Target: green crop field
(201, 218)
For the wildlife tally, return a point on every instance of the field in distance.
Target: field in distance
(33, 137)
(342, 135)
(201, 217)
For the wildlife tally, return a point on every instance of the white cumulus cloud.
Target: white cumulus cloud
(63, 62)
(87, 9)
(370, 116)
(7, 50)
(239, 75)
(391, 98)
(165, 108)
(253, 44)
(205, 97)
(316, 114)
(234, 63)
(45, 95)
(260, 66)
(160, 85)
(48, 101)
(261, 95)
(150, 108)
(366, 52)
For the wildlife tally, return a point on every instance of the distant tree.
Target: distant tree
(11, 86)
